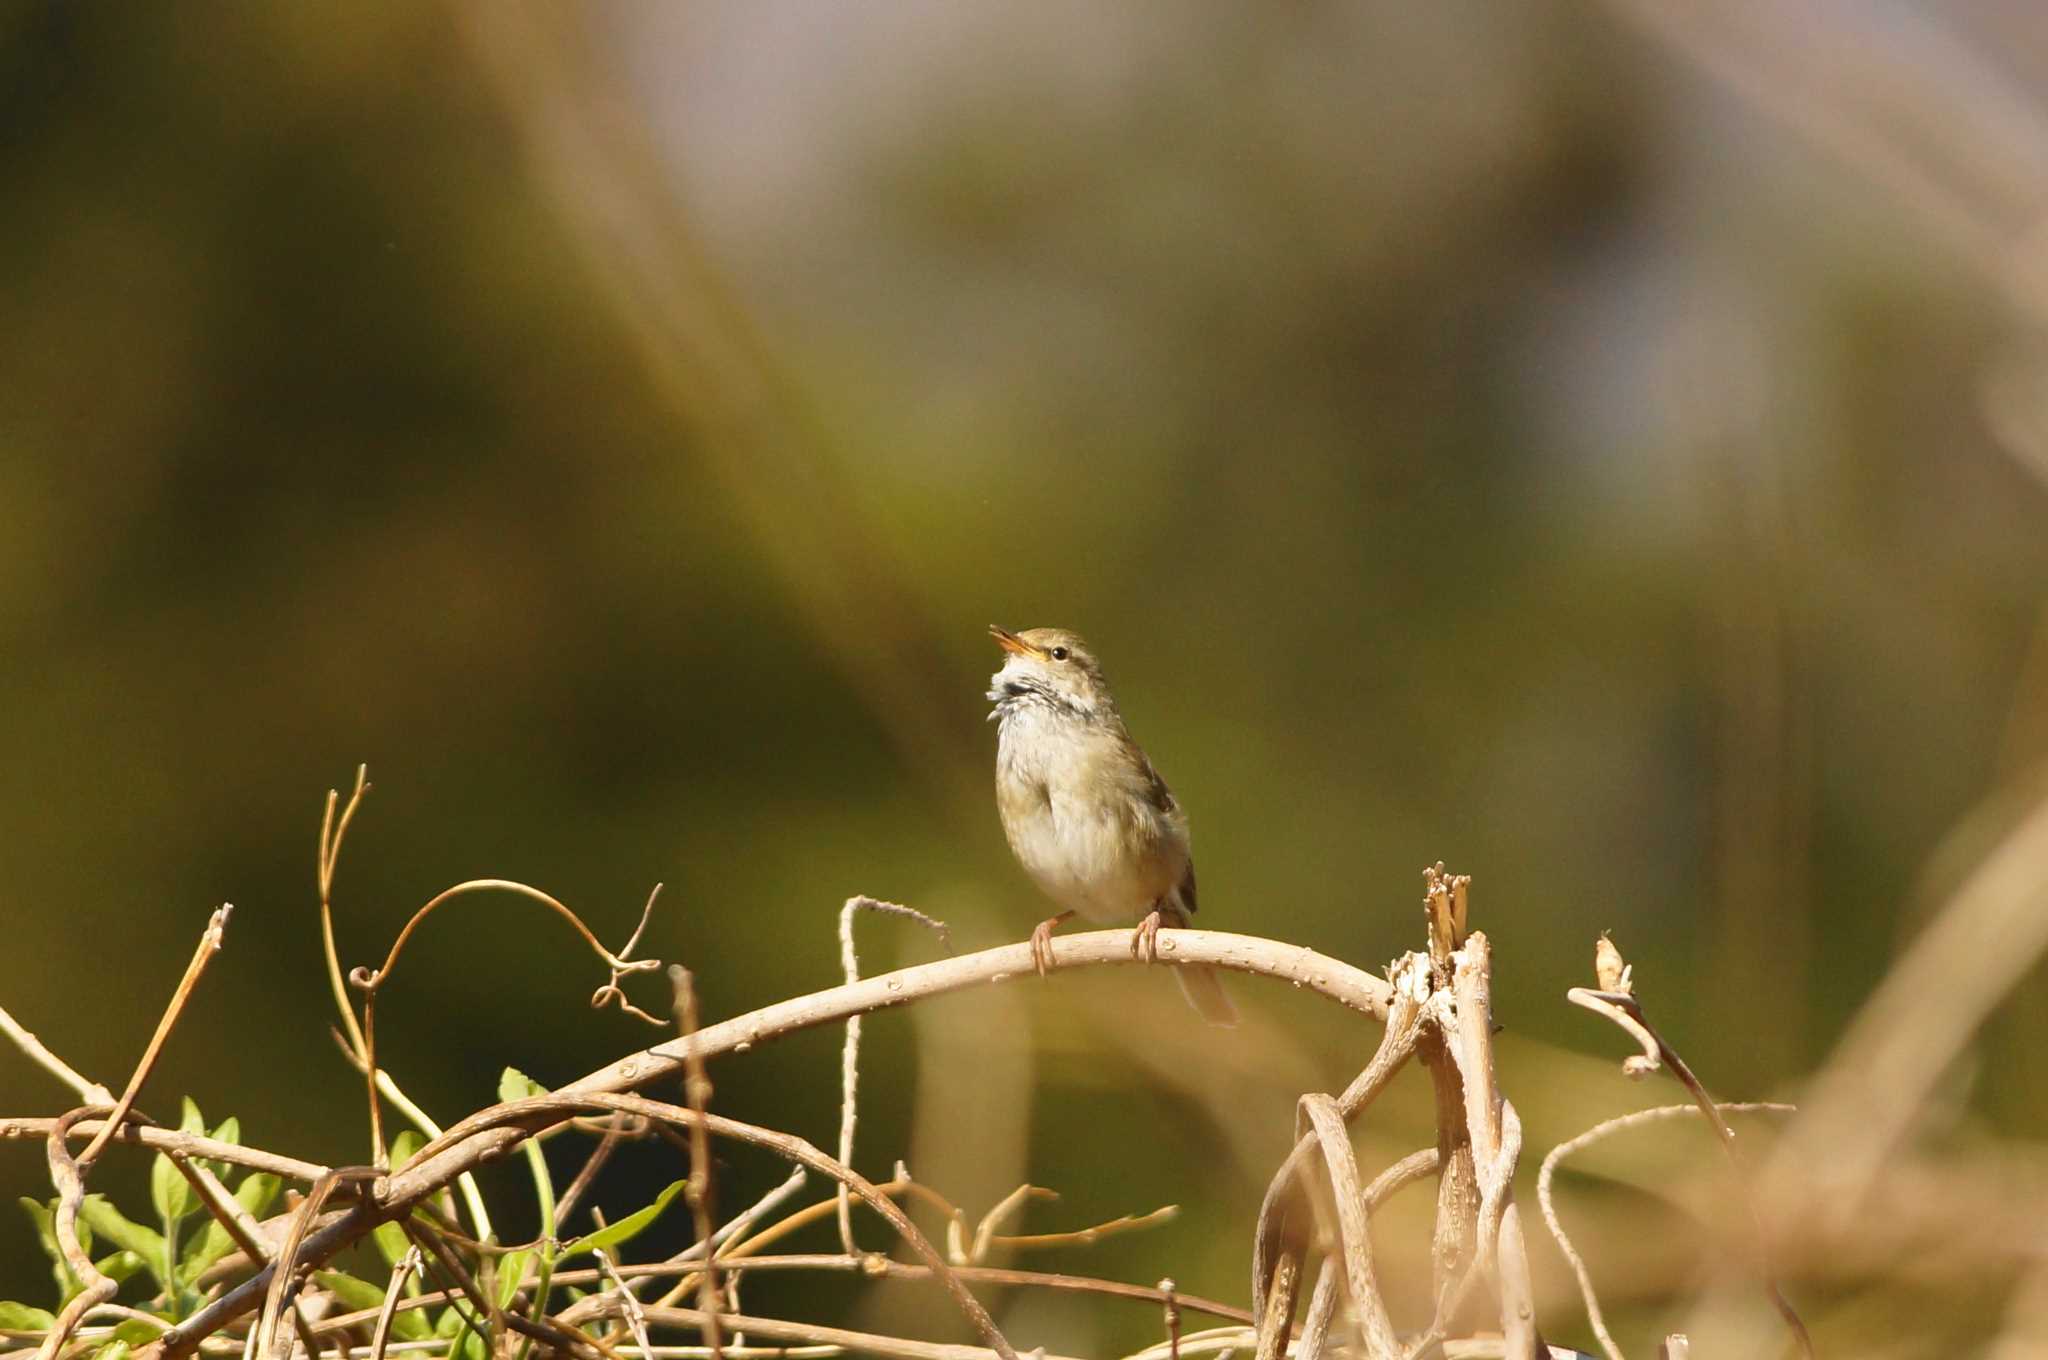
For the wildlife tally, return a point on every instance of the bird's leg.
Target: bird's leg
(1041, 940)
(1145, 939)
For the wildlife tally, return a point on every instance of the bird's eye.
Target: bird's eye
(1059, 654)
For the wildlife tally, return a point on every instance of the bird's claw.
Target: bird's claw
(1145, 940)
(1041, 945)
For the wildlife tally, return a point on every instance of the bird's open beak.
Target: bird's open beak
(1010, 642)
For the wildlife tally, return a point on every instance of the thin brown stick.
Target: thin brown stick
(870, 1264)
(602, 1153)
(380, 1335)
(490, 1319)
(164, 1140)
(240, 1226)
(68, 1175)
(741, 1224)
(1170, 1307)
(697, 1090)
(365, 979)
(88, 1092)
(331, 834)
(636, 1315)
(611, 991)
(209, 945)
(1074, 1237)
(282, 1270)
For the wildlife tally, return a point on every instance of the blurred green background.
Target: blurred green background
(1467, 432)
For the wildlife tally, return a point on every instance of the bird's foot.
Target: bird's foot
(1145, 940)
(1041, 941)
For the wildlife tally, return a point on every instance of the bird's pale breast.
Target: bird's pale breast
(1082, 819)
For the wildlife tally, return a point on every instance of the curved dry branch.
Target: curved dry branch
(1325, 1124)
(68, 1175)
(1397, 1045)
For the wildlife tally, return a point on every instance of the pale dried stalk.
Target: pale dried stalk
(380, 1336)
(1404, 1028)
(1545, 1194)
(1276, 1314)
(1496, 1143)
(88, 1092)
(1626, 1010)
(1314, 1337)
(849, 1057)
(209, 945)
(170, 1141)
(1319, 1114)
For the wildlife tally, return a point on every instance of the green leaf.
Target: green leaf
(391, 1243)
(44, 1217)
(255, 1194)
(22, 1318)
(390, 1238)
(229, 1131)
(136, 1331)
(118, 1266)
(511, 1270)
(169, 1191)
(109, 1223)
(453, 1324)
(117, 1350)
(357, 1294)
(410, 1325)
(514, 1084)
(405, 1147)
(626, 1228)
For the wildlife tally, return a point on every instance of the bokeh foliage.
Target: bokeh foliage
(1466, 435)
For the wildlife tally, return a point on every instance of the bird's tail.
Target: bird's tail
(1204, 991)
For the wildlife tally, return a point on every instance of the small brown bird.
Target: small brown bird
(1086, 814)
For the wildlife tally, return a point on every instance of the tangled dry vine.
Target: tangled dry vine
(251, 1286)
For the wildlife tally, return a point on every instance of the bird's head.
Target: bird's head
(1050, 666)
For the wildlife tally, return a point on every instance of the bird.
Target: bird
(1084, 809)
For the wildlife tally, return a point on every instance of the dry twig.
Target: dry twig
(209, 945)
(849, 1058)
(1621, 1006)
(1571, 1147)
(697, 1090)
